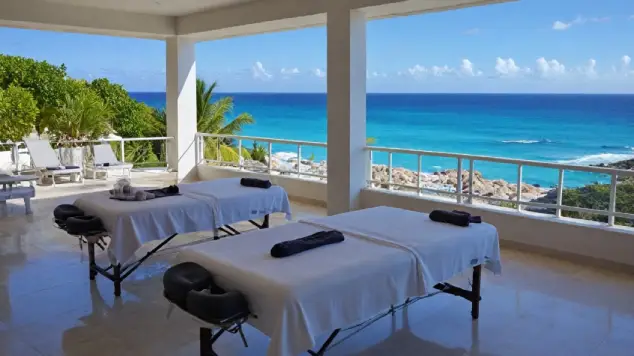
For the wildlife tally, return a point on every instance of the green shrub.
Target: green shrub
(18, 112)
(80, 117)
(597, 196)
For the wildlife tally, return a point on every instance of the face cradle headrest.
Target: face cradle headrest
(191, 287)
(183, 278)
(65, 211)
(83, 225)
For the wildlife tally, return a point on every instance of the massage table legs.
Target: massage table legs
(475, 292)
(120, 273)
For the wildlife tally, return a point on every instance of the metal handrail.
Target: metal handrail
(121, 141)
(459, 194)
(199, 145)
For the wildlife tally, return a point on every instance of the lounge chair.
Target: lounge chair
(104, 160)
(46, 162)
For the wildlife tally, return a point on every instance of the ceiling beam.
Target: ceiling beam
(43, 15)
(279, 15)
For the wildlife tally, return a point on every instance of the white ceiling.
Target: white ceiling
(154, 7)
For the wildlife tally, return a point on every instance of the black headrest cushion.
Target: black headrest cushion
(83, 225)
(65, 211)
(191, 287)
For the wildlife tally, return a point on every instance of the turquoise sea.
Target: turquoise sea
(574, 129)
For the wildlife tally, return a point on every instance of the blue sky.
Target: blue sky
(549, 46)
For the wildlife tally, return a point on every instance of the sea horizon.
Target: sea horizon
(577, 129)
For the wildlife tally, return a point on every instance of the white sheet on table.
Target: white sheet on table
(132, 224)
(443, 250)
(299, 298)
(231, 202)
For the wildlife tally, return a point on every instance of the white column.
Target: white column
(181, 104)
(346, 72)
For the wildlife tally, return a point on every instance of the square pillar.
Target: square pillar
(181, 105)
(346, 75)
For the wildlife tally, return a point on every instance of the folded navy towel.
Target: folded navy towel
(164, 192)
(61, 167)
(318, 239)
(472, 219)
(255, 183)
(449, 217)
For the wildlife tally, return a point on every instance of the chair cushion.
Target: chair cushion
(61, 168)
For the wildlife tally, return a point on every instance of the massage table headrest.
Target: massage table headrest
(191, 287)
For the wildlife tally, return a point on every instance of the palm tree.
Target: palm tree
(211, 118)
(80, 117)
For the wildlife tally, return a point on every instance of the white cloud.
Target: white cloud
(319, 73)
(562, 26)
(550, 68)
(376, 74)
(590, 69)
(417, 71)
(472, 31)
(259, 72)
(506, 67)
(440, 71)
(626, 60)
(289, 71)
(466, 68)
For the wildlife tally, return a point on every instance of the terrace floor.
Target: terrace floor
(539, 306)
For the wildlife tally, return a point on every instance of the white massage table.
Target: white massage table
(209, 205)
(389, 256)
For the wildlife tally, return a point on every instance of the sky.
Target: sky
(530, 46)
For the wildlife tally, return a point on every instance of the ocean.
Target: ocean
(572, 129)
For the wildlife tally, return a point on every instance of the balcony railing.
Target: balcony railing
(464, 163)
(468, 197)
(203, 139)
(128, 150)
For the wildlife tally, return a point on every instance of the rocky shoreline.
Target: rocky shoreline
(407, 180)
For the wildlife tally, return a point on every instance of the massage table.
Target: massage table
(201, 206)
(390, 258)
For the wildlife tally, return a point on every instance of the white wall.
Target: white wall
(603, 244)
(310, 191)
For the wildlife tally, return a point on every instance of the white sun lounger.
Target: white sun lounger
(390, 257)
(104, 160)
(209, 205)
(46, 162)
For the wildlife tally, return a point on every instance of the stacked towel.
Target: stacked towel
(123, 190)
(318, 239)
(255, 183)
(456, 217)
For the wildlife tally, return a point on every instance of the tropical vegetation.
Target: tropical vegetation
(41, 97)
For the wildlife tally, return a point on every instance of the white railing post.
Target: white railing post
(471, 168)
(239, 154)
(369, 177)
(270, 157)
(167, 165)
(612, 206)
(122, 150)
(389, 171)
(459, 182)
(420, 169)
(196, 148)
(299, 160)
(16, 156)
(560, 193)
(518, 196)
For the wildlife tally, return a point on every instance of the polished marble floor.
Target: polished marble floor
(539, 306)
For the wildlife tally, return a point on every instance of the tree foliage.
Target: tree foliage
(81, 117)
(212, 117)
(597, 196)
(45, 81)
(18, 112)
